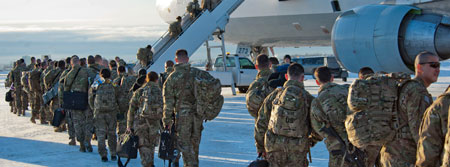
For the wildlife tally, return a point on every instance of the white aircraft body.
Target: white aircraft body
(383, 34)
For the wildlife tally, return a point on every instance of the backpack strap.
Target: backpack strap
(70, 87)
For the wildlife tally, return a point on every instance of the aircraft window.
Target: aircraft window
(230, 62)
(246, 64)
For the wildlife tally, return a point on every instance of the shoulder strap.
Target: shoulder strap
(54, 79)
(70, 87)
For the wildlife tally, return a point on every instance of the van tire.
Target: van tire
(344, 79)
(243, 89)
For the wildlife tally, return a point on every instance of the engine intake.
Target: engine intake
(388, 37)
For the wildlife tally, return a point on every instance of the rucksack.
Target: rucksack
(105, 98)
(373, 106)
(257, 92)
(208, 96)
(289, 110)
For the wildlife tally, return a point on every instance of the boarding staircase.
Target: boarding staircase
(195, 33)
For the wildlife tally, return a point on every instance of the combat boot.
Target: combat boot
(72, 142)
(32, 120)
(104, 159)
(43, 122)
(175, 164)
(57, 129)
(113, 158)
(82, 147)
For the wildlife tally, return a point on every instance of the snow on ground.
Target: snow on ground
(227, 141)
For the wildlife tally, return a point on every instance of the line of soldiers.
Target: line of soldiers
(118, 103)
(289, 121)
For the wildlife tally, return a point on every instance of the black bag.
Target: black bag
(58, 117)
(8, 97)
(259, 162)
(74, 100)
(127, 148)
(167, 150)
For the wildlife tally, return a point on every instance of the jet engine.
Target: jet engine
(388, 37)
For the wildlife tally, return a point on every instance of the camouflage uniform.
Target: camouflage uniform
(175, 29)
(50, 80)
(193, 8)
(93, 71)
(442, 105)
(104, 103)
(68, 118)
(114, 74)
(188, 125)
(329, 109)
(8, 83)
(25, 90)
(45, 113)
(414, 99)
(210, 4)
(36, 92)
(144, 117)
(284, 150)
(432, 133)
(262, 122)
(261, 78)
(124, 83)
(80, 84)
(30, 66)
(18, 96)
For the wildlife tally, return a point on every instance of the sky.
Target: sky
(63, 28)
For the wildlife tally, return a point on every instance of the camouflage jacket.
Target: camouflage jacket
(145, 105)
(329, 109)
(34, 80)
(8, 80)
(264, 113)
(80, 83)
(124, 83)
(432, 132)
(178, 87)
(43, 74)
(103, 97)
(24, 81)
(114, 74)
(93, 70)
(164, 75)
(30, 66)
(16, 75)
(51, 78)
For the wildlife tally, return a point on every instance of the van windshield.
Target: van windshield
(230, 62)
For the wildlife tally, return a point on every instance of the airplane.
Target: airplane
(385, 35)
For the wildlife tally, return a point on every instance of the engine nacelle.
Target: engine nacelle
(388, 37)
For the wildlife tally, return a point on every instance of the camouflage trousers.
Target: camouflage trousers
(70, 127)
(148, 132)
(287, 158)
(122, 123)
(189, 132)
(285, 151)
(45, 113)
(79, 120)
(35, 104)
(18, 100)
(105, 125)
(336, 161)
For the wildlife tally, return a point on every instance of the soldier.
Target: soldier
(32, 64)
(287, 140)
(25, 89)
(18, 92)
(274, 66)
(93, 66)
(68, 117)
(144, 117)
(414, 99)
(46, 114)
(99, 60)
(365, 72)
(210, 4)
(123, 83)
(441, 105)
(179, 100)
(103, 99)
(433, 128)
(51, 79)
(77, 80)
(193, 9)
(8, 84)
(168, 69)
(36, 92)
(259, 88)
(329, 110)
(113, 69)
(175, 28)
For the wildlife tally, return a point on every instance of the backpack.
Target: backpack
(105, 98)
(373, 104)
(256, 94)
(35, 84)
(208, 96)
(289, 110)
